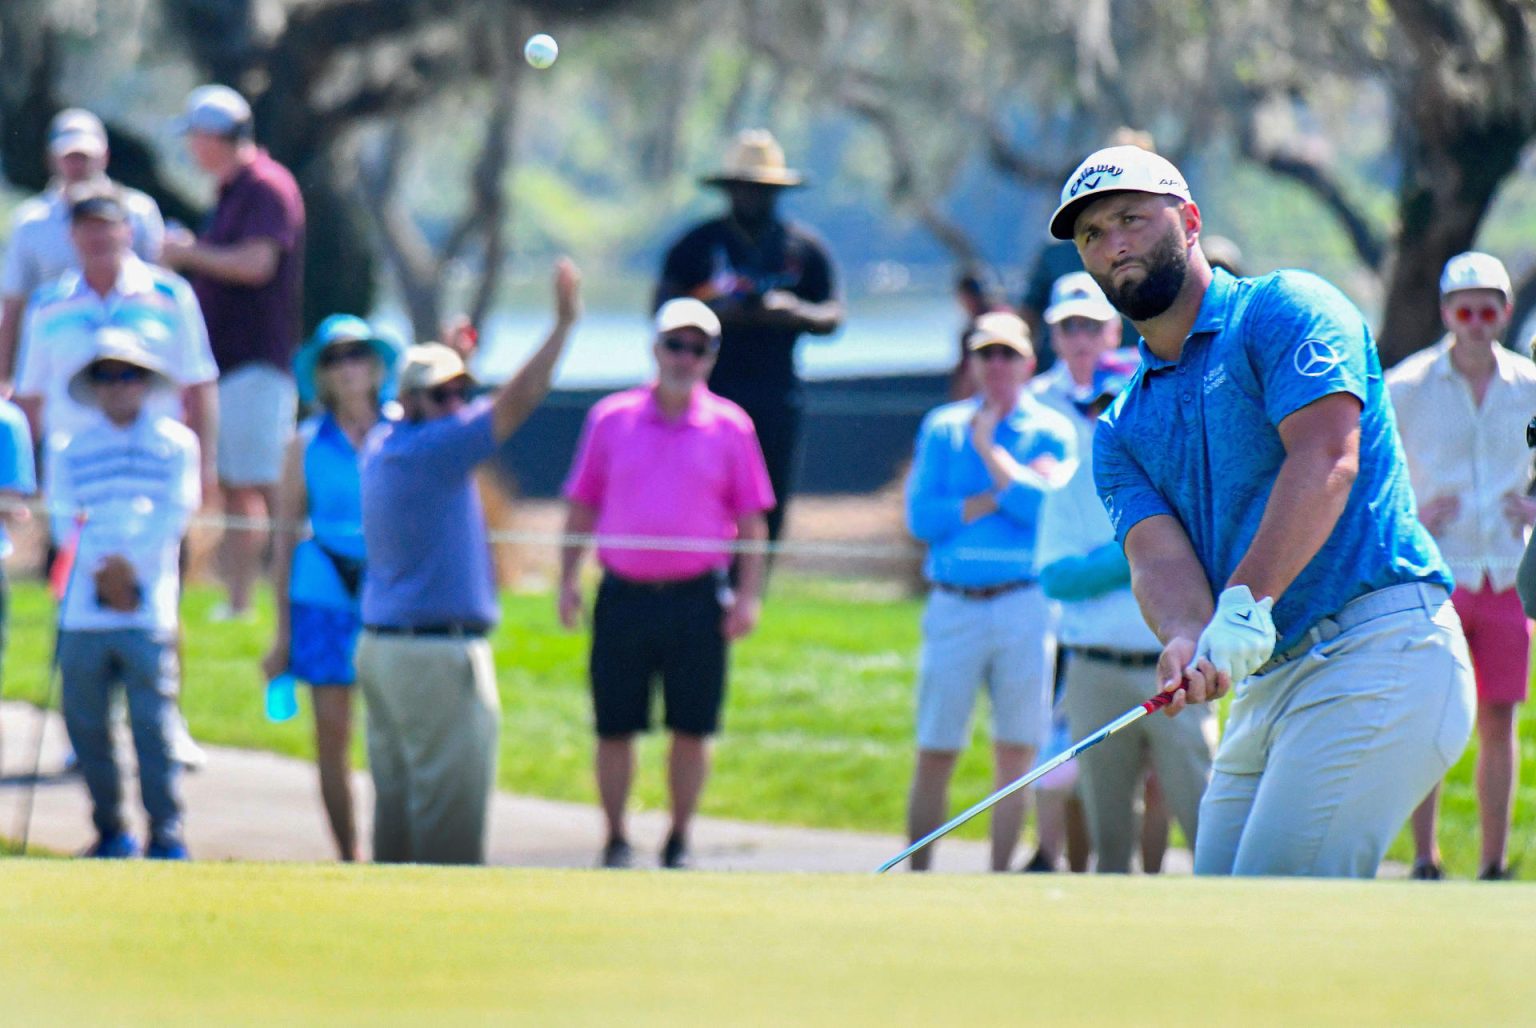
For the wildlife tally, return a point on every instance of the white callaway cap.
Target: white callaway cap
(1113, 169)
(1474, 270)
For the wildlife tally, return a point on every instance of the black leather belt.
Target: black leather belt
(453, 629)
(984, 592)
(1120, 658)
(709, 579)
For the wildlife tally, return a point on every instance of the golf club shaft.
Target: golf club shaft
(54, 676)
(1157, 702)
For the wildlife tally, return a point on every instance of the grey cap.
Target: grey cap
(217, 111)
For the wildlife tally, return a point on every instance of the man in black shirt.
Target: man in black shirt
(769, 281)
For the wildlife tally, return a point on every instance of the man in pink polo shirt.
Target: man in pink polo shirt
(669, 460)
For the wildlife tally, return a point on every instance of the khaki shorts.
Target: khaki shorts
(258, 409)
(1004, 645)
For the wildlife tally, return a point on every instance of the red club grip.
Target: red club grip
(1158, 702)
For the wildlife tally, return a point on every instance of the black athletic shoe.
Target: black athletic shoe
(1494, 873)
(617, 854)
(1040, 863)
(674, 854)
(1426, 871)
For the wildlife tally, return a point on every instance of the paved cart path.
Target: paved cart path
(251, 805)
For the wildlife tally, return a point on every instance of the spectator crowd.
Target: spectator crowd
(157, 372)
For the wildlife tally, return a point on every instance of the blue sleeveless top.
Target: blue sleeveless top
(333, 487)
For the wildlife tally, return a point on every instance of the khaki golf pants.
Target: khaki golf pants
(1111, 773)
(1325, 756)
(434, 718)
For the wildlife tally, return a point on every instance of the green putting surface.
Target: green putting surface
(139, 943)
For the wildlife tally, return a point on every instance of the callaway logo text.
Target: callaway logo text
(1092, 175)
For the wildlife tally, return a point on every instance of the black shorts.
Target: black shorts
(640, 631)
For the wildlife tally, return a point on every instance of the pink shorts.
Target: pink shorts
(1499, 638)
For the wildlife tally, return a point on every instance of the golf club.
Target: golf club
(72, 549)
(1157, 702)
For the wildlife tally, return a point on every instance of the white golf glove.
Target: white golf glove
(1241, 635)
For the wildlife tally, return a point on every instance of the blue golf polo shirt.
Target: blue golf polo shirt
(1199, 439)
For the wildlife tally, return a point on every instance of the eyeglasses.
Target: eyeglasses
(343, 352)
(1468, 315)
(995, 352)
(114, 376)
(445, 394)
(696, 350)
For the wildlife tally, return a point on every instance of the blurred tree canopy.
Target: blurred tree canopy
(410, 126)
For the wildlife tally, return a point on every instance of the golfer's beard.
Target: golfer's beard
(1166, 266)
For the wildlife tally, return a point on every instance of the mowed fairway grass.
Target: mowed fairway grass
(231, 943)
(818, 727)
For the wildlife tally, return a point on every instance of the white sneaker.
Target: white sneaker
(184, 749)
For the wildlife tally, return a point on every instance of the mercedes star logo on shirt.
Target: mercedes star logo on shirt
(1315, 358)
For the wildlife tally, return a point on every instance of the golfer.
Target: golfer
(1253, 473)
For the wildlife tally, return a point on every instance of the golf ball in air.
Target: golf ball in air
(541, 50)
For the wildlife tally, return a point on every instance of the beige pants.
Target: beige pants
(1111, 773)
(433, 722)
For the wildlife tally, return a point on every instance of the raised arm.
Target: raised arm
(525, 390)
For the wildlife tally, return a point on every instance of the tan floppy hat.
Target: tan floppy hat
(429, 365)
(755, 158)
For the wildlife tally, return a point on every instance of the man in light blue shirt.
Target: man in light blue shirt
(981, 468)
(1253, 473)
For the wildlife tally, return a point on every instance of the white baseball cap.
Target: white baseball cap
(686, 312)
(1113, 169)
(1077, 295)
(215, 110)
(76, 130)
(1475, 270)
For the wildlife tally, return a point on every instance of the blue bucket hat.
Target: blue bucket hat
(344, 328)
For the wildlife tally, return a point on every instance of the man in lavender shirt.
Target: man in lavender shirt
(669, 460)
(429, 598)
(247, 267)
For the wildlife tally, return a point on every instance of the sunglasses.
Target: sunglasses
(696, 350)
(1080, 326)
(343, 352)
(1468, 315)
(988, 353)
(445, 394)
(100, 375)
